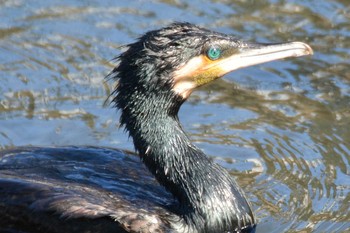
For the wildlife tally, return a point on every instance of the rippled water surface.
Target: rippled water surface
(282, 128)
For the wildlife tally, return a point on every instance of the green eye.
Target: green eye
(214, 53)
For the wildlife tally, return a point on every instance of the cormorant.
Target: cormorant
(177, 188)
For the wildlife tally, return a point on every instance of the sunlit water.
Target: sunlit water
(281, 128)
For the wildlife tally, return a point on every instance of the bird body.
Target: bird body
(75, 189)
(176, 187)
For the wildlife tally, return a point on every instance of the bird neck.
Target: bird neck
(208, 197)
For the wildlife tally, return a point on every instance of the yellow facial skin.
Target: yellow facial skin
(201, 70)
(209, 72)
(198, 71)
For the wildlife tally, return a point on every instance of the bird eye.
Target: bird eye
(214, 53)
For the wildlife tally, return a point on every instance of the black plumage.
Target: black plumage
(177, 188)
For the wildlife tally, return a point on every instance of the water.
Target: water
(281, 128)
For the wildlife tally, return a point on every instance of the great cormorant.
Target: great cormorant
(177, 188)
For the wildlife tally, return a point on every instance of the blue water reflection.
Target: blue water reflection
(281, 128)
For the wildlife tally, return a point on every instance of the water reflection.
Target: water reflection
(281, 128)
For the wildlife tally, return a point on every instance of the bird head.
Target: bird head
(183, 56)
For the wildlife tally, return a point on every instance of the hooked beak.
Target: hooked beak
(253, 54)
(201, 70)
